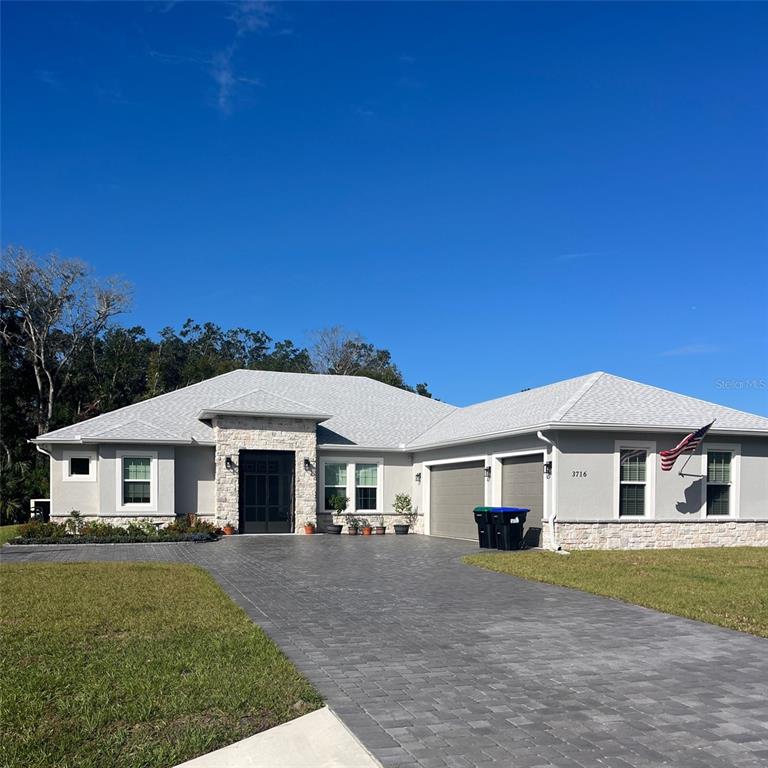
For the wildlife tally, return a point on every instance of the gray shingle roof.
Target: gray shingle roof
(594, 399)
(363, 411)
(368, 413)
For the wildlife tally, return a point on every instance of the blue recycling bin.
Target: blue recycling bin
(509, 522)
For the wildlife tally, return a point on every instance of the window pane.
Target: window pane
(331, 490)
(79, 466)
(631, 500)
(718, 497)
(136, 468)
(633, 465)
(365, 474)
(718, 467)
(365, 498)
(336, 474)
(135, 492)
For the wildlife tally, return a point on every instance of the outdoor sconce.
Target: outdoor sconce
(548, 469)
(418, 477)
(307, 465)
(487, 473)
(228, 463)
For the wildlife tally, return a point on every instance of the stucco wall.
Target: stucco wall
(195, 481)
(591, 497)
(69, 495)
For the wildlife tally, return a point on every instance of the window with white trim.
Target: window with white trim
(137, 480)
(719, 483)
(632, 482)
(78, 466)
(366, 487)
(335, 481)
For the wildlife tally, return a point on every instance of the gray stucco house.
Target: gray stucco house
(265, 450)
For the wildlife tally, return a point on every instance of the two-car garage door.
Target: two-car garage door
(455, 489)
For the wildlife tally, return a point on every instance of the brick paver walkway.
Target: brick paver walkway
(433, 663)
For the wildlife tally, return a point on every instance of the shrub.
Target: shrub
(97, 529)
(191, 524)
(38, 530)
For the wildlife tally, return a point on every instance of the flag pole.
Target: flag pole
(690, 455)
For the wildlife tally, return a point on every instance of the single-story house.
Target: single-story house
(265, 451)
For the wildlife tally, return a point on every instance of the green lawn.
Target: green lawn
(7, 532)
(115, 664)
(728, 587)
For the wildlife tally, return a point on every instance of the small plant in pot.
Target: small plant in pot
(365, 527)
(228, 528)
(338, 504)
(403, 506)
(380, 529)
(309, 528)
(353, 525)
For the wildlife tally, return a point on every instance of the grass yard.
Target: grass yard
(132, 664)
(728, 587)
(7, 532)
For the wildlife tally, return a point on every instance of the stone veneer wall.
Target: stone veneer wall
(236, 433)
(660, 534)
(118, 519)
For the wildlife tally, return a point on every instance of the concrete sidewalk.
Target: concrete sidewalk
(316, 740)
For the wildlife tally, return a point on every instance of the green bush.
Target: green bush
(38, 530)
(191, 524)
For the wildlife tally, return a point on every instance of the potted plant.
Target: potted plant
(338, 504)
(309, 528)
(228, 528)
(366, 527)
(352, 525)
(403, 506)
(380, 529)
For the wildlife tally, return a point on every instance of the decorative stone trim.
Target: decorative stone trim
(659, 534)
(242, 433)
(121, 520)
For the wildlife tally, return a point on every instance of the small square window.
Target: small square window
(79, 466)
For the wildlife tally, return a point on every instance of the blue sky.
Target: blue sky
(503, 195)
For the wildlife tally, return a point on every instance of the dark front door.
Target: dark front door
(266, 491)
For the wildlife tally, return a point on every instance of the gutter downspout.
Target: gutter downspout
(42, 450)
(553, 492)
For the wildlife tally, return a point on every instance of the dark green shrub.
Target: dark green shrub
(39, 530)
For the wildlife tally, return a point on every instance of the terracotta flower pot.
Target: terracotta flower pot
(367, 530)
(228, 530)
(309, 529)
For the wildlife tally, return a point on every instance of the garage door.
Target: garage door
(455, 490)
(522, 485)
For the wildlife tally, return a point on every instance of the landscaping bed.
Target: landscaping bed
(726, 586)
(132, 664)
(77, 531)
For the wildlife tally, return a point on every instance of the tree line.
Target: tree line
(66, 358)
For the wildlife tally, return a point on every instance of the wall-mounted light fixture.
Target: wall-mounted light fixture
(418, 477)
(548, 469)
(307, 465)
(228, 463)
(487, 473)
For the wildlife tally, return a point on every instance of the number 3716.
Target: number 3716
(578, 473)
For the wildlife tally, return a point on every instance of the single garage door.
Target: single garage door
(455, 490)
(522, 485)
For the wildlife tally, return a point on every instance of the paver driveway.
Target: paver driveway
(434, 663)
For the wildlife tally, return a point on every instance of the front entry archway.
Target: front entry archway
(266, 491)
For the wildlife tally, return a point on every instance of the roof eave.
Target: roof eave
(117, 440)
(208, 413)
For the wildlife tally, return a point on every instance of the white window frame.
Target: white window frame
(649, 446)
(69, 478)
(350, 489)
(119, 481)
(733, 498)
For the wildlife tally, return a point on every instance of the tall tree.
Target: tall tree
(52, 309)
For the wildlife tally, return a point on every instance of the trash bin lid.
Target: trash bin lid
(483, 509)
(507, 510)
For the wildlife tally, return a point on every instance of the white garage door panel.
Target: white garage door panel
(455, 490)
(522, 485)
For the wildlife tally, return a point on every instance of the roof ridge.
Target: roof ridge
(434, 424)
(592, 379)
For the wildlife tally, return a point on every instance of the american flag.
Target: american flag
(688, 444)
